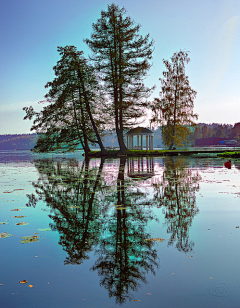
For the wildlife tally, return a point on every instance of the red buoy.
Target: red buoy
(227, 164)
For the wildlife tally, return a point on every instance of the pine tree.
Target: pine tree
(73, 99)
(174, 109)
(122, 58)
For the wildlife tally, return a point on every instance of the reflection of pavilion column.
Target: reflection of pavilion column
(132, 164)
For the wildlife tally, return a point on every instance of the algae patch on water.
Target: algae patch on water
(29, 239)
(22, 223)
(5, 234)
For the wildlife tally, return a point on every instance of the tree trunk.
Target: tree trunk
(122, 145)
(84, 142)
(174, 112)
(103, 150)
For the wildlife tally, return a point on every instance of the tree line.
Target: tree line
(107, 90)
(216, 130)
(20, 141)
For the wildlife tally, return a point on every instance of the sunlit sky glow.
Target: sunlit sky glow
(31, 30)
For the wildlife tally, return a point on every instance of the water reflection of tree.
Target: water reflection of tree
(69, 189)
(176, 194)
(124, 254)
(91, 214)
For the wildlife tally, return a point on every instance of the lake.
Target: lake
(142, 232)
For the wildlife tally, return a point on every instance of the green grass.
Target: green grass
(229, 154)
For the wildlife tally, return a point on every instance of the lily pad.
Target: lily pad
(15, 210)
(3, 223)
(20, 216)
(29, 239)
(23, 281)
(159, 239)
(22, 223)
(45, 229)
(5, 234)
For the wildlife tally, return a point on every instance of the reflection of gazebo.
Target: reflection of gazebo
(140, 131)
(140, 167)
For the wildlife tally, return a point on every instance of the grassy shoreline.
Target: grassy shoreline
(229, 155)
(135, 153)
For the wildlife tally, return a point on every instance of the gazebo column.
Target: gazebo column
(132, 142)
(141, 142)
(151, 144)
(146, 143)
(138, 142)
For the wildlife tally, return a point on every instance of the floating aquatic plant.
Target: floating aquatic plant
(29, 239)
(23, 281)
(5, 234)
(22, 223)
(20, 216)
(159, 239)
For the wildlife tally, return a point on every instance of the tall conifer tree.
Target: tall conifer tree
(68, 119)
(122, 58)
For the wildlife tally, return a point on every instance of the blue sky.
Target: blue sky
(31, 30)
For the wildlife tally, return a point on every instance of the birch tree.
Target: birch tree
(173, 110)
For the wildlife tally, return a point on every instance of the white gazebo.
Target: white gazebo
(140, 132)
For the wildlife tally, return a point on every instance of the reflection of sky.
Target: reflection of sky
(215, 256)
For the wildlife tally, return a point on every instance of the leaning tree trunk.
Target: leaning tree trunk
(103, 150)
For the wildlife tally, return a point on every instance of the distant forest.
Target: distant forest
(228, 131)
(18, 142)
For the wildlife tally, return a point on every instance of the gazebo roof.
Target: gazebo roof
(140, 131)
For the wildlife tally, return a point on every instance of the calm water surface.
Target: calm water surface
(159, 232)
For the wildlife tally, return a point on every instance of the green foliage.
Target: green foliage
(229, 154)
(213, 130)
(122, 58)
(236, 131)
(174, 109)
(67, 121)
